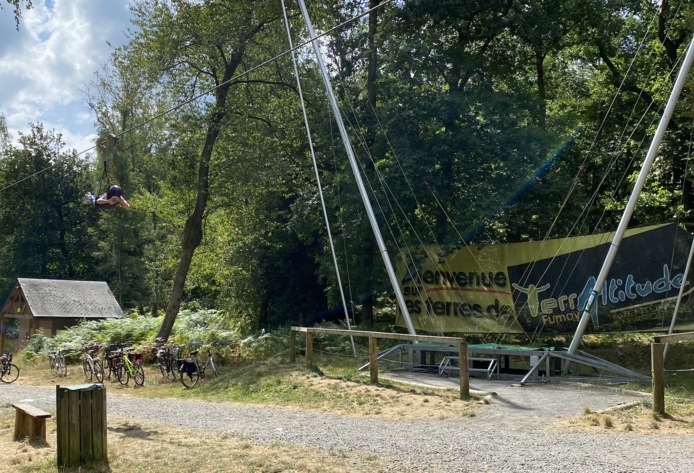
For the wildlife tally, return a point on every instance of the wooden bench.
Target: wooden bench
(29, 422)
(491, 368)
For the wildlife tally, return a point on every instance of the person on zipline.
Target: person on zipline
(111, 198)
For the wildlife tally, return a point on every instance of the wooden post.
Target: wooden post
(658, 377)
(99, 425)
(463, 369)
(81, 424)
(73, 421)
(62, 427)
(373, 359)
(292, 346)
(309, 350)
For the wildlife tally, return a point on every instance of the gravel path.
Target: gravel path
(509, 435)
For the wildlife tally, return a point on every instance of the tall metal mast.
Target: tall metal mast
(638, 187)
(357, 176)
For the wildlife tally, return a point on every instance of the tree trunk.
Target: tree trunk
(192, 236)
(192, 232)
(367, 312)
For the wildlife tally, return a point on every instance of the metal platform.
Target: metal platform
(526, 364)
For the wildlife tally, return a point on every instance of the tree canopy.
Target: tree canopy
(473, 122)
(17, 7)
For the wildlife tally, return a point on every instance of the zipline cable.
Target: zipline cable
(593, 199)
(318, 179)
(210, 90)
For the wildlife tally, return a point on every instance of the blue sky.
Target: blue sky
(46, 66)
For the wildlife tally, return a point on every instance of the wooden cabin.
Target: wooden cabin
(49, 305)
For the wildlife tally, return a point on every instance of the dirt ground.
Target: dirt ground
(562, 405)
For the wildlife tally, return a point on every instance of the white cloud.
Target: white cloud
(45, 67)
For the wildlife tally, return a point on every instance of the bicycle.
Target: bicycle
(113, 359)
(9, 372)
(191, 371)
(58, 365)
(130, 368)
(167, 355)
(92, 365)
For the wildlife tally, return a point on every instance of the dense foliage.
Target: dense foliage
(194, 328)
(471, 121)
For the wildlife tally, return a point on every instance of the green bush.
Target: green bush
(193, 329)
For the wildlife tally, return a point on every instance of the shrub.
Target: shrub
(193, 329)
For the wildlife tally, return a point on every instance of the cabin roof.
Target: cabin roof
(75, 299)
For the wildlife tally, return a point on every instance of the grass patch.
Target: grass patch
(334, 386)
(638, 419)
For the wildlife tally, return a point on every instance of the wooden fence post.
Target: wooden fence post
(373, 359)
(292, 346)
(463, 368)
(658, 377)
(309, 350)
(81, 424)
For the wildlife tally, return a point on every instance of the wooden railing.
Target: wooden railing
(373, 349)
(658, 367)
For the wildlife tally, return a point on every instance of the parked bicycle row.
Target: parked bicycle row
(188, 370)
(122, 362)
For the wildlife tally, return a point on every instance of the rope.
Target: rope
(387, 191)
(208, 91)
(318, 179)
(584, 214)
(419, 205)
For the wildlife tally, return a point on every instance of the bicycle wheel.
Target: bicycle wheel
(173, 368)
(118, 369)
(88, 373)
(10, 373)
(54, 364)
(189, 380)
(123, 374)
(138, 375)
(165, 368)
(62, 367)
(98, 370)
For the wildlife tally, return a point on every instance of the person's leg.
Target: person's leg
(89, 199)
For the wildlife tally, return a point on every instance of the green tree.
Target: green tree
(17, 5)
(46, 231)
(5, 137)
(471, 121)
(194, 49)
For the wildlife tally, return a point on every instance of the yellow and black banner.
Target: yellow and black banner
(536, 287)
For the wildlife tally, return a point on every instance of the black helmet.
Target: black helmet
(114, 190)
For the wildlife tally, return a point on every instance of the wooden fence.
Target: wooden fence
(658, 367)
(373, 349)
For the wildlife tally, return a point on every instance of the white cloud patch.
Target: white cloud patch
(45, 67)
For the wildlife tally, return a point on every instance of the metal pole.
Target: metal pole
(638, 187)
(357, 176)
(679, 297)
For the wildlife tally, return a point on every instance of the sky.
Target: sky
(47, 66)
